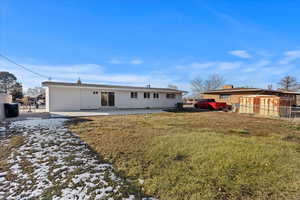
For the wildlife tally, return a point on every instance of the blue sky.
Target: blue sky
(137, 42)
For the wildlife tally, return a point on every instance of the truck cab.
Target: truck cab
(210, 104)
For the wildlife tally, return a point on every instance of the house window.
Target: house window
(134, 95)
(107, 99)
(146, 95)
(225, 96)
(155, 95)
(95, 92)
(170, 96)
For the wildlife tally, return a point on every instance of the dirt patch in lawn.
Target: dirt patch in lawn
(202, 155)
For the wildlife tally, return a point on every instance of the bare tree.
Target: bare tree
(197, 85)
(175, 87)
(213, 82)
(288, 83)
(270, 87)
(36, 91)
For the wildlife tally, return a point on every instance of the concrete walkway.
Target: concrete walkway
(87, 113)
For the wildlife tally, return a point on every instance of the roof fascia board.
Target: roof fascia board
(114, 88)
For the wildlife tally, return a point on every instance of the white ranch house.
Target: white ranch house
(61, 96)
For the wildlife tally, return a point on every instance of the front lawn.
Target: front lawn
(208, 155)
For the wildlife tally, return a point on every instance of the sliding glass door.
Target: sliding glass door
(111, 99)
(107, 99)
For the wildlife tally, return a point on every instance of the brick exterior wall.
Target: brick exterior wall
(235, 98)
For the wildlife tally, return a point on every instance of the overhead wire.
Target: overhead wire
(24, 67)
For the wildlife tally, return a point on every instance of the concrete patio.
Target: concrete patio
(86, 113)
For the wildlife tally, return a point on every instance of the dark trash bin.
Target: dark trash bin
(11, 110)
(179, 106)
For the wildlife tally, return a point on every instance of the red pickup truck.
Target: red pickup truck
(210, 104)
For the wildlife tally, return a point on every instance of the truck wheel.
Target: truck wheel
(195, 106)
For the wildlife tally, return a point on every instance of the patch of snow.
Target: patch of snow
(141, 181)
(16, 168)
(57, 156)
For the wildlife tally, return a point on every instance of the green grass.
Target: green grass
(200, 155)
(221, 167)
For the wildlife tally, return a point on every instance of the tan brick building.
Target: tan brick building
(231, 95)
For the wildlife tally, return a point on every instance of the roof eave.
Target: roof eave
(224, 92)
(62, 84)
(253, 90)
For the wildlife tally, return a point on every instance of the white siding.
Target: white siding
(75, 98)
(63, 99)
(47, 99)
(4, 98)
(123, 100)
(89, 100)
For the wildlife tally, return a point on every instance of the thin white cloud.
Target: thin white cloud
(228, 65)
(249, 69)
(136, 61)
(290, 56)
(196, 65)
(265, 53)
(277, 71)
(116, 61)
(256, 66)
(240, 54)
(210, 66)
(66, 69)
(262, 63)
(88, 73)
(256, 72)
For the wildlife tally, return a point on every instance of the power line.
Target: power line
(23, 67)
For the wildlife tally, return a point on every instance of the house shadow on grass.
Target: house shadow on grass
(77, 120)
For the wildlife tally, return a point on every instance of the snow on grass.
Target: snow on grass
(55, 164)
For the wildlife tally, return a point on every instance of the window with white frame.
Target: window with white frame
(146, 95)
(155, 95)
(170, 96)
(134, 95)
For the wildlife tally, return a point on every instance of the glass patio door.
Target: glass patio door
(107, 99)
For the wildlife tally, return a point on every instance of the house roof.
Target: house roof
(50, 83)
(254, 90)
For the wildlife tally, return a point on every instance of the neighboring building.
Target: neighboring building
(62, 96)
(4, 98)
(267, 105)
(232, 95)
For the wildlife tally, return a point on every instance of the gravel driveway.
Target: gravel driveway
(55, 164)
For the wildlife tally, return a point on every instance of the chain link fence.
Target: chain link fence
(32, 108)
(289, 112)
